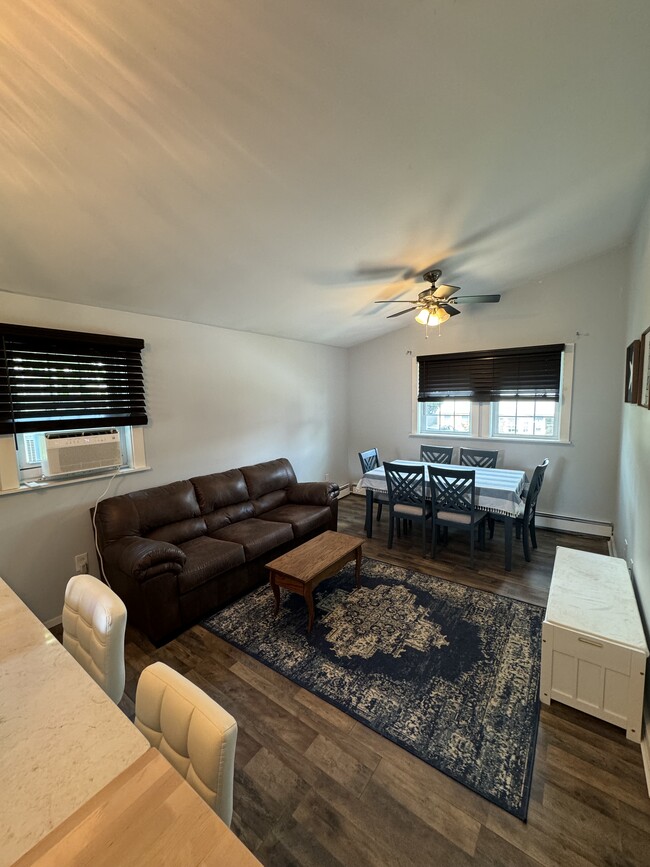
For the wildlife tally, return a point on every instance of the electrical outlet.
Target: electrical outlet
(327, 477)
(81, 564)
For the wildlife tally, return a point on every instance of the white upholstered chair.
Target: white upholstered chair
(194, 733)
(94, 622)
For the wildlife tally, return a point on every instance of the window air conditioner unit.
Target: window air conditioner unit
(80, 452)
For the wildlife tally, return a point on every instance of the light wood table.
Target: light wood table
(302, 569)
(147, 815)
(61, 737)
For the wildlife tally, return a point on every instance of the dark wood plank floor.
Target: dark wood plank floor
(314, 787)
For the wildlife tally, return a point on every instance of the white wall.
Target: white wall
(587, 298)
(633, 522)
(216, 399)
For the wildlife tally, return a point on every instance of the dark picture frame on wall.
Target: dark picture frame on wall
(632, 366)
(644, 368)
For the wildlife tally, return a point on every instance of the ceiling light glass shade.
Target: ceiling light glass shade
(432, 316)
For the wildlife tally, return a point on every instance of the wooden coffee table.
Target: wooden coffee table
(302, 569)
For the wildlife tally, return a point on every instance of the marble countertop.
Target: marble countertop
(61, 738)
(593, 594)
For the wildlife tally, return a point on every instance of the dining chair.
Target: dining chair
(453, 501)
(94, 623)
(478, 458)
(407, 499)
(370, 461)
(527, 521)
(436, 454)
(194, 733)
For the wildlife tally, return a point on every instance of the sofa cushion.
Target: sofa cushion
(223, 498)
(303, 519)
(179, 531)
(169, 513)
(207, 558)
(257, 536)
(150, 513)
(220, 489)
(269, 476)
(272, 500)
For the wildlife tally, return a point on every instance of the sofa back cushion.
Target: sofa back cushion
(267, 483)
(223, 498)
(169, 513)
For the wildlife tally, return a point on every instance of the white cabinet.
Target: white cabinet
(593, 646)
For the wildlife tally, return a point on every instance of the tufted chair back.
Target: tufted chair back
(94, 622)
(195, 734)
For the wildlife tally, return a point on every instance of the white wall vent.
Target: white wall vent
(80, 452)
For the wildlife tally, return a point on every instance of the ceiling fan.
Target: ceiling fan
(437, 304)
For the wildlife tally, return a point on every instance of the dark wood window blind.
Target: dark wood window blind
(64, 380)
(527, 372)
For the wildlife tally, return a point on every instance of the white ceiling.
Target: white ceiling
(235, 162)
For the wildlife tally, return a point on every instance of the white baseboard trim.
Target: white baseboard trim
(645, 750)
(55, 621)
(573, 525)
(344, 490)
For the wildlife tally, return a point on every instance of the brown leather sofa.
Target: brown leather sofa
(176, 552)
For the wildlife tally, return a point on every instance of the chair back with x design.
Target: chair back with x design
(369, 460)
(406, 498)
(405, 485)
(453, 498)
(453, 490)
(478, 458)
(436, 454)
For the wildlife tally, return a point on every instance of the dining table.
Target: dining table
(498, 491)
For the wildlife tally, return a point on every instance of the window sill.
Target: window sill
(491, 439)
(35, 485)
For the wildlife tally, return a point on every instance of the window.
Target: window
(522, 393)
(525, 418)
(446, 416)
(66, 381)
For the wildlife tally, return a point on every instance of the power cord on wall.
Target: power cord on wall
(99, 553)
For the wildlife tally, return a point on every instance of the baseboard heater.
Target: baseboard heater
(569, 524)
(76, 452)
(344, 490)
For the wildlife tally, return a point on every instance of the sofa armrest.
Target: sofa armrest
(144, 558)
(313, 493)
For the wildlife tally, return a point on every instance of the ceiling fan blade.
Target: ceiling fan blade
(398, 301)
(383, 273)
(368, 274)
(477, 299)
(450, 309)
(401, 313)
(443, 291)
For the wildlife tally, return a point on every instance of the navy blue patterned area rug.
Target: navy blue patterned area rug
(447, 672)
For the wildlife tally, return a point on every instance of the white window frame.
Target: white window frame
(495, 416)
(481, 423)
(473, 421)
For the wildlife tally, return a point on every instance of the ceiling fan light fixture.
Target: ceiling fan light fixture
(432, 316)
